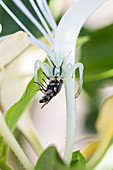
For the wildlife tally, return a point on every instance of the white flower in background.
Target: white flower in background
(61, 54)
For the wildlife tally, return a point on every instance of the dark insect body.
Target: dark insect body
(51, 89)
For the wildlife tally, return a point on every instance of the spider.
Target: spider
(56, 75)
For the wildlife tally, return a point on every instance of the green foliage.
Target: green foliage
(78, 160)
(50, 160)
(3, 153)
(97, 58)
(97, 53)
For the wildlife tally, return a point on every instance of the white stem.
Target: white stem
(23, 8)
(65, 40)
(70, 129)
(49, 18)
(41, 19)
(9, 138)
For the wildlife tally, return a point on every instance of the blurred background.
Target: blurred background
(97, 56)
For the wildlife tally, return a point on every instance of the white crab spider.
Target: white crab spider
(58, 70)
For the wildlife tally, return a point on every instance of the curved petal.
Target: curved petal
(71, 23)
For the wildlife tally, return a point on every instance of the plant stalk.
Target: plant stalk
(11, 141)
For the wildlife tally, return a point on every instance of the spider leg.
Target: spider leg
(43, 66)
(71, 71)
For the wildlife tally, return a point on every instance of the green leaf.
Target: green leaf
(3, 154)
(97, 58)
(1, 146)
(82, 40)
(78, 160)
(97, 53)
(50, 160)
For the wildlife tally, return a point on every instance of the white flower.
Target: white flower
(61, 55)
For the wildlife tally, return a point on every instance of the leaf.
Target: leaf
(50, 160)
(97, 53)
(1, 146)
(78, 160)
(82, 40)
(3, 153)
(3, 150)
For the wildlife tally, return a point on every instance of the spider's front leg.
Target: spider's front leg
(44, 66)
(71, 71)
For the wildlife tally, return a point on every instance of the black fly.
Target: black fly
(50, 90)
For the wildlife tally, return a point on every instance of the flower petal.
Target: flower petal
(12, 46)
(71, 23)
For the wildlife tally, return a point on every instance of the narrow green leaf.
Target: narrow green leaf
(1, 146)
(78, 160)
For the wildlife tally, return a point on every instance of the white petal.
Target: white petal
(71, 23)
(12, 46)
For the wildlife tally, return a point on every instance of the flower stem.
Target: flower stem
(70, 129)
(9, 138)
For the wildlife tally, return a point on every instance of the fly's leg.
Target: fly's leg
(71, 71)
(44, 104)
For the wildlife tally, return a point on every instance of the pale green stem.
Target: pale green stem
(27, 128)
(70, 131)
(13, 144)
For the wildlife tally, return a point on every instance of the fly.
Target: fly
(50, 90)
